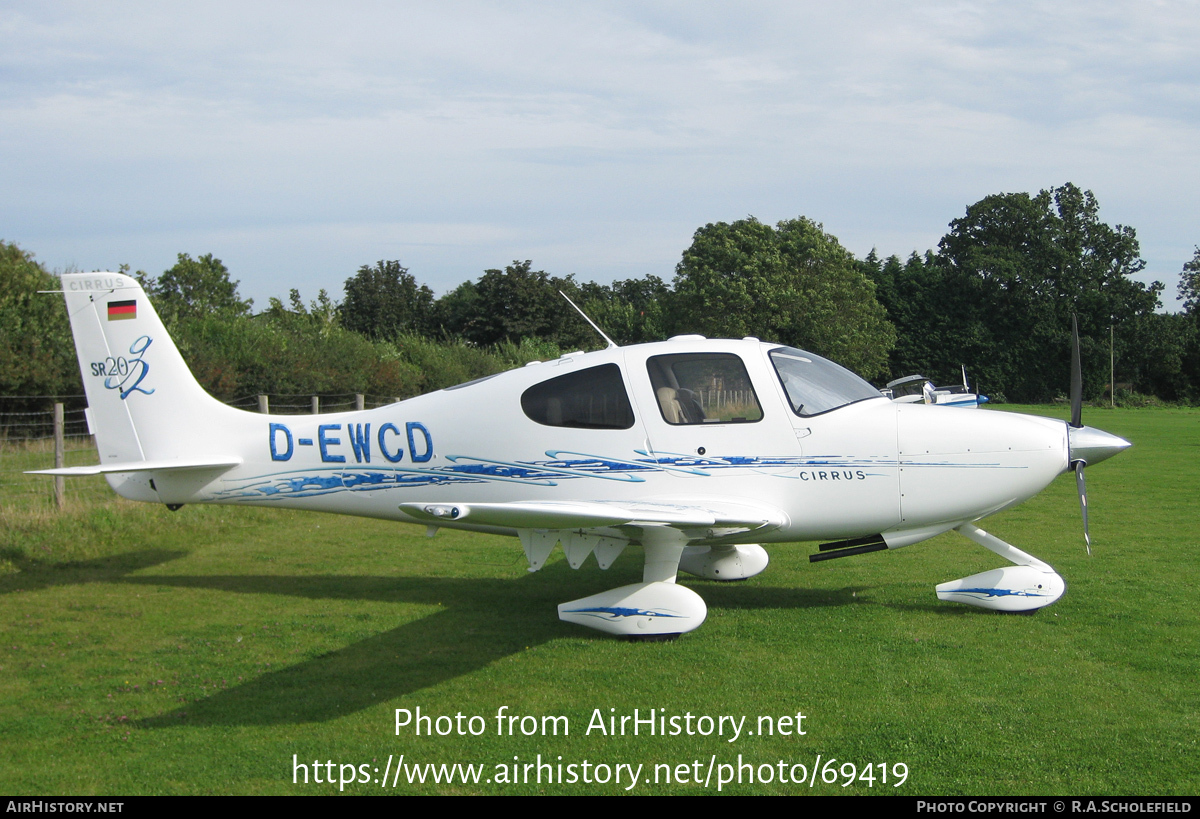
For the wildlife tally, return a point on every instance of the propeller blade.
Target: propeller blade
(1076, 377)
(1082, 487)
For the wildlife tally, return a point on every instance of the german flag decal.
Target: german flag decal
(119, 310)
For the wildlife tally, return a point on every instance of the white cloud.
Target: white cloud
(592, 139)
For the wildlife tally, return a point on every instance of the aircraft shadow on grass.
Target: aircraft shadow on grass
(484, 621)
(35, 575)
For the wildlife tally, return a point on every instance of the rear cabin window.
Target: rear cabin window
(594, 398)
(703, 388)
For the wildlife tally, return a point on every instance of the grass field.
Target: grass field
(143, 651)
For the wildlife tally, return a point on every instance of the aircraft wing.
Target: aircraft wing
(597, 514)
(543, 524)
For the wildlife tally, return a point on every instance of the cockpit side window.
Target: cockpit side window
(815, 385)
(594, 398)
(703, 388)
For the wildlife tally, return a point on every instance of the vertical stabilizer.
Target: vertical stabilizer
(144, 403)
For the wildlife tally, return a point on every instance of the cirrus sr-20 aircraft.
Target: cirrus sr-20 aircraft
(697, 450)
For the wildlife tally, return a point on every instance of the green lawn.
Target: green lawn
(144, 651)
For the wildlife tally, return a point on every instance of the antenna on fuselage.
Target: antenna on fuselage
(611, 344)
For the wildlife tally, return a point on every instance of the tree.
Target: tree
(914, 294)
(633, 311)
(321, 313)
(1189, 286)
(1015, 268)
(515, 303)
(36, 353)
(793, 283)
(195, 287)
(385, 301)
(1189, 294)
(1165, 363)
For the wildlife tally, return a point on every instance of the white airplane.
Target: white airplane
(916, 389)
(698, 450)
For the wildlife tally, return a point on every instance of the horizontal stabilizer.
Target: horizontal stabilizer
(138, 466)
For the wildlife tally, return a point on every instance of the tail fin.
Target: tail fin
(144, 405)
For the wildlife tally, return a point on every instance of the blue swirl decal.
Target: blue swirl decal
(1001, 592)
(613, 613)
(560, 466)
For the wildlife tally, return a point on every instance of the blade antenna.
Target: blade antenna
(612, 345)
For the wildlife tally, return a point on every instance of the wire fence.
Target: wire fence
(295, 404)
(19, 491)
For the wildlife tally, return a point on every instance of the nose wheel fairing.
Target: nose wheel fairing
(1029, 585)
(1013, 588)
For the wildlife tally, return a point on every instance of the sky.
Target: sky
(299, 141)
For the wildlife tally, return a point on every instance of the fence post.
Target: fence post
(316, 404)
(360, 401)
(59, 482)
(264, 404)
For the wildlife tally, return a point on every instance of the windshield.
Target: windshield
(815, 385)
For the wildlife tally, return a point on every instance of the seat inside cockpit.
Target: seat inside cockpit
(703, 388)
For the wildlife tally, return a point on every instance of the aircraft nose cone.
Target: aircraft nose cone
(1092, 445)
